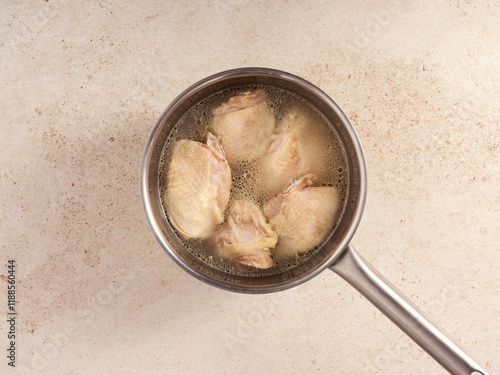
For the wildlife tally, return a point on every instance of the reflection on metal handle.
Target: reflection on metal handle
(357, 272)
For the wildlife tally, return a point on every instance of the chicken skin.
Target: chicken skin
(302, 215)
(198, 187)
(245, 124)
(246, 237)
(296, 149)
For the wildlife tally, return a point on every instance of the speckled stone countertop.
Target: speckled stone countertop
(82, 84)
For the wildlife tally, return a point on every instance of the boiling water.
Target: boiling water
(247, 179)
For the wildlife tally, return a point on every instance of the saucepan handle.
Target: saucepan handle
(408, 317)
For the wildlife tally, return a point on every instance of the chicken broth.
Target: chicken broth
(250, 180)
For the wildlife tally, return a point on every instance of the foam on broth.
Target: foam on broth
(246, 176)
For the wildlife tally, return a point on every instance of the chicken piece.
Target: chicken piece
(245, 124)
(246, 237)
(302, 215)
(297, 148)
(198, 186)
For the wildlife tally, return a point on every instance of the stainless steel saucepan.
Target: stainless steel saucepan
(336, 254)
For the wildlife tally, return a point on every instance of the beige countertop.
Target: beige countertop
(82, 84)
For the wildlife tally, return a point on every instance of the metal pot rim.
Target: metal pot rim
(150, 201)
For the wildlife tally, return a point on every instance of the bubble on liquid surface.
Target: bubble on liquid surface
(247, 176)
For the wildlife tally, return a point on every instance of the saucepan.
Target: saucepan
(336, 253)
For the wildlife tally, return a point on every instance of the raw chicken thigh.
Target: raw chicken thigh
(198, 186)
(245, 124)
(302, 215)
(297, 148)
(246, 237)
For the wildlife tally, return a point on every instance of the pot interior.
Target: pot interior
(339, 236)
